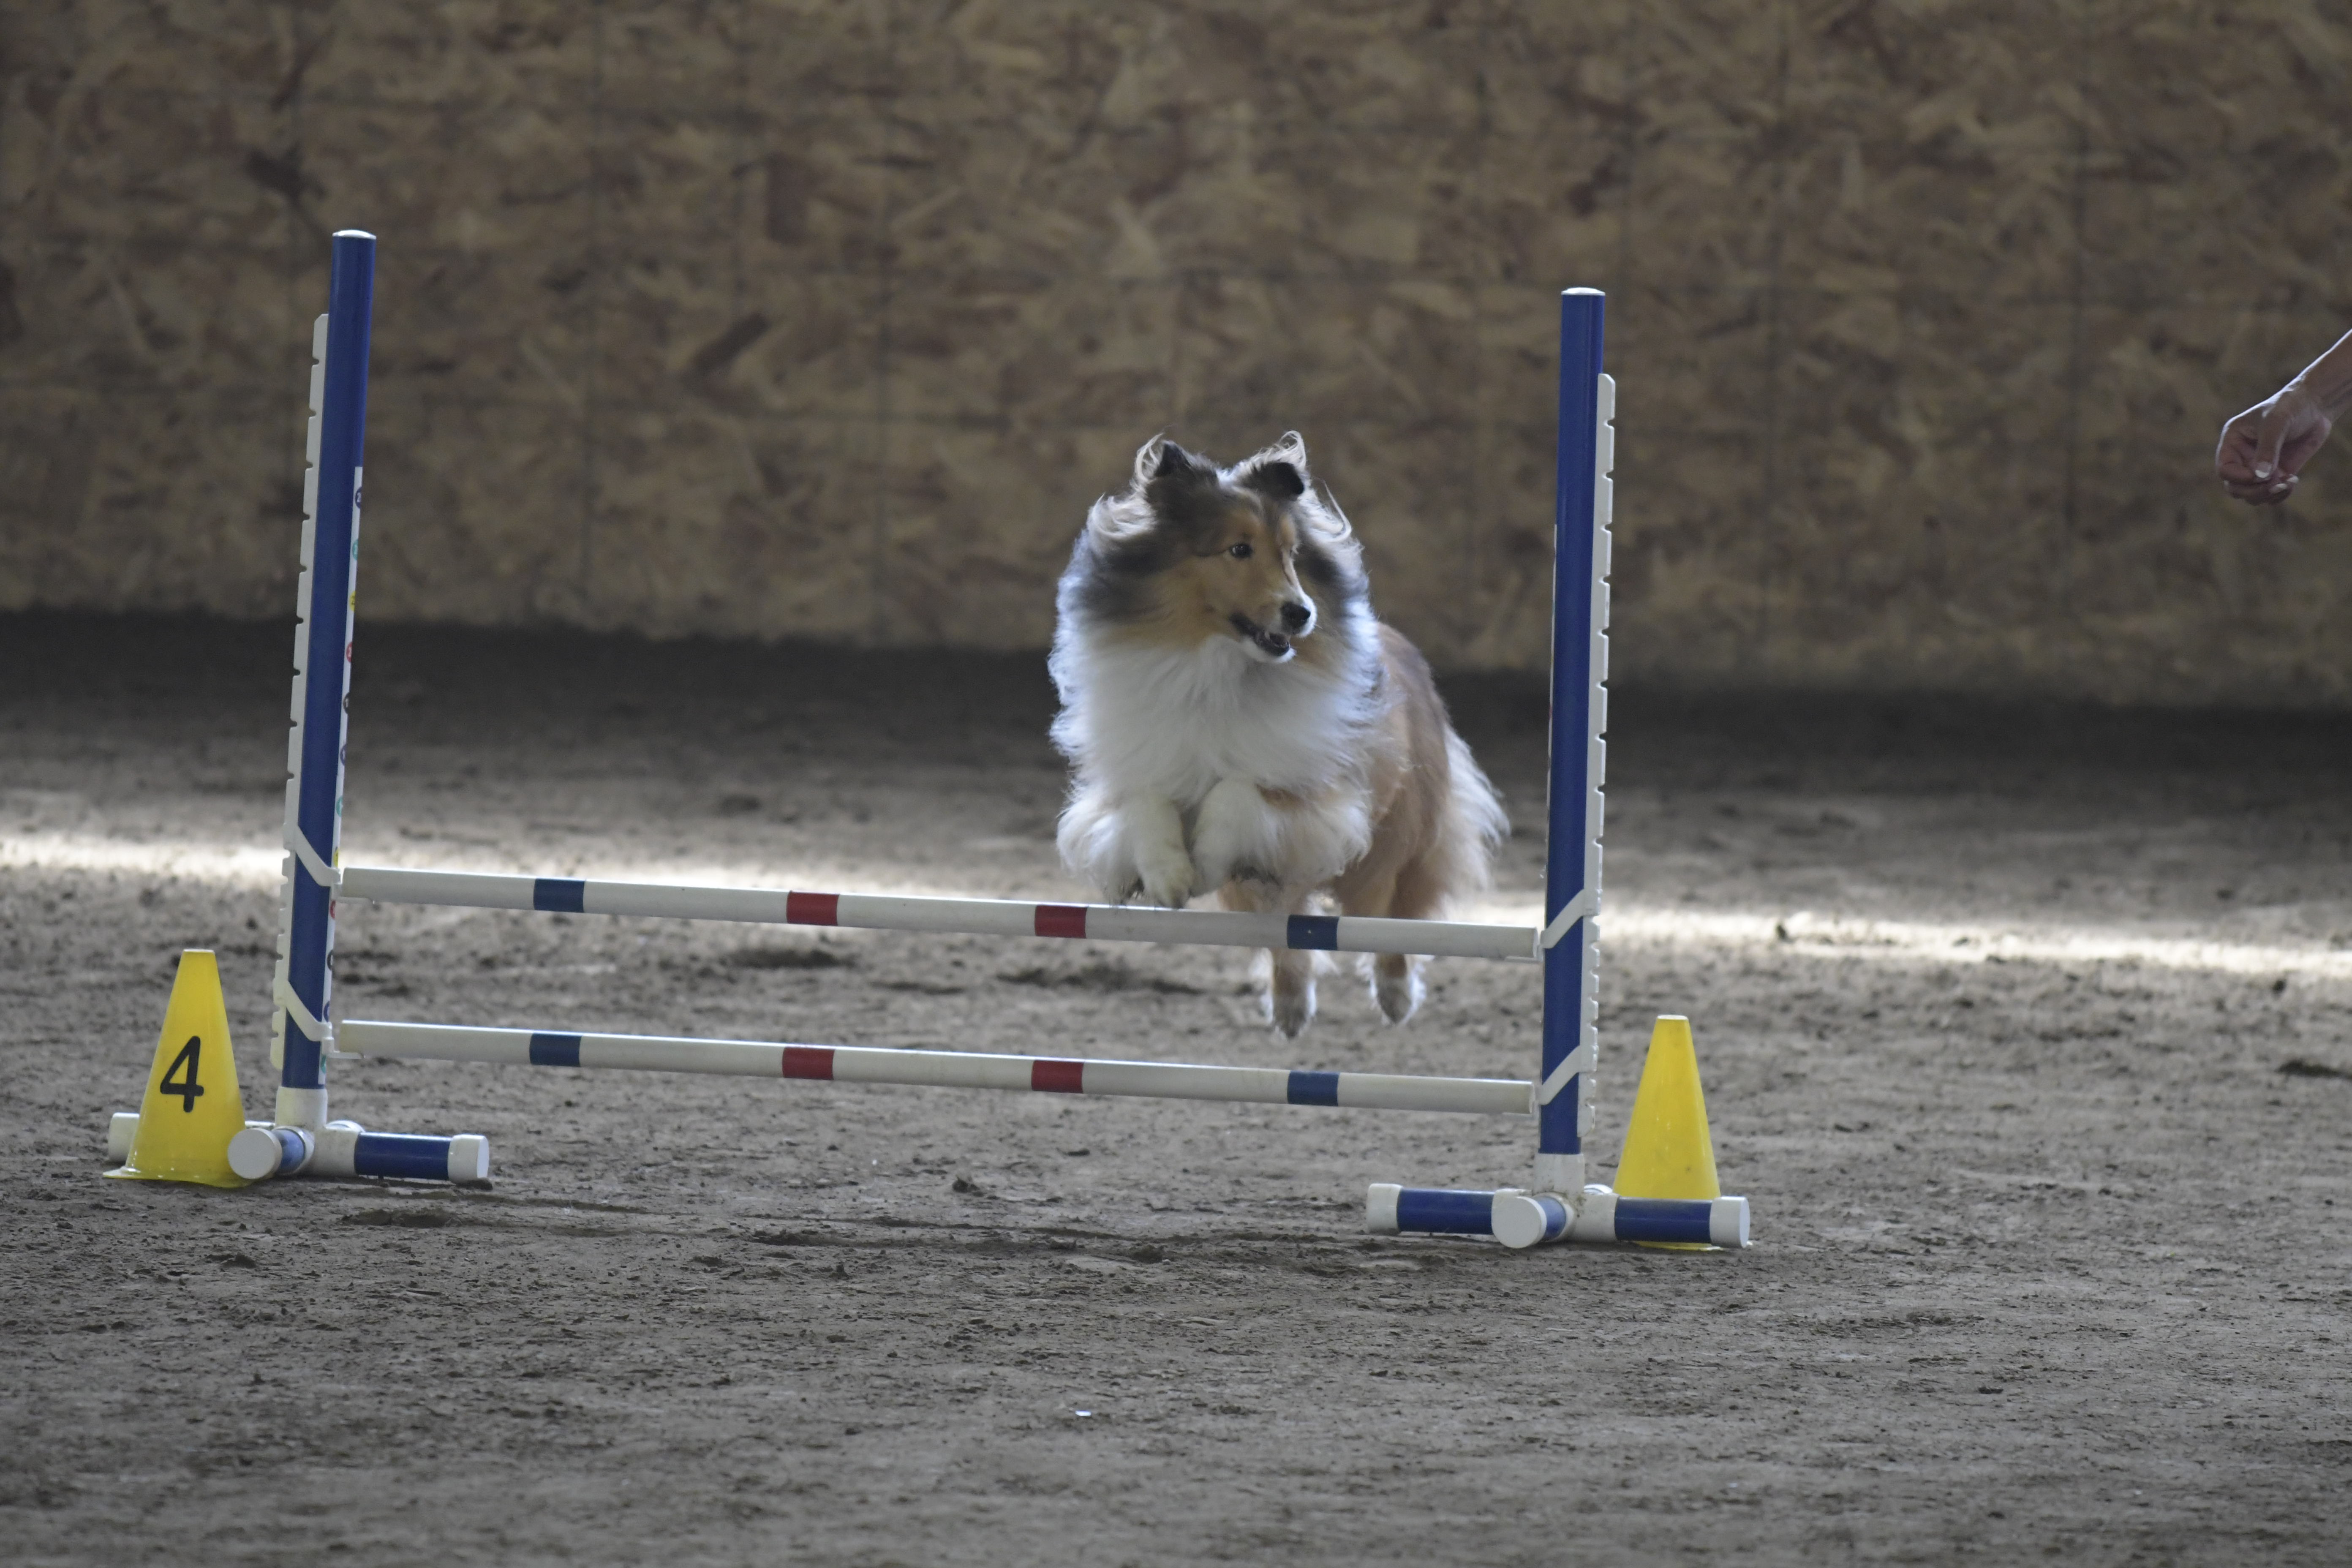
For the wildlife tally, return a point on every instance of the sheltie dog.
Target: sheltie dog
(1236, 718)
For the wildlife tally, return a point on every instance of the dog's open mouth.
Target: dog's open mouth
(1272, 644)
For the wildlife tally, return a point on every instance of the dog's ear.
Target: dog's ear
(1175, 463)
(1159, 457)
(1175, 472)
(1147, 459)
(1277, 478)
(1280, 471)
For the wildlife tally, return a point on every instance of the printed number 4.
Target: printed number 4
(187, 1088)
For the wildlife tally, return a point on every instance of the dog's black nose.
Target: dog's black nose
(1296, 616)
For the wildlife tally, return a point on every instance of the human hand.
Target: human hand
(2262, 453)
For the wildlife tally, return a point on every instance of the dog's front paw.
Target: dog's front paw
(1168, 879)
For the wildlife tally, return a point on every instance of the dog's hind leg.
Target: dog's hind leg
(1290, 986)
(1397, 985)
(1411, 895)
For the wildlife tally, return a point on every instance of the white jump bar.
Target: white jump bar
(976, 917)
(938, 1069)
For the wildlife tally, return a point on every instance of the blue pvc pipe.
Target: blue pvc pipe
(408, 1155)
(1567, 968)
(327, 637)
(1665, 1219)
(1454, 1211)
(1445, 1211)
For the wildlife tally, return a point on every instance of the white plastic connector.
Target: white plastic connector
(1521, 1220)
(259, 1151)
(469, 1158)
(1561, 1174)
(303, 1107)
(1596, 1217)
(338, 1155)
(120, 1129)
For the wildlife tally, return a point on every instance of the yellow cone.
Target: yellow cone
(193, 1106)
(1668, 1152)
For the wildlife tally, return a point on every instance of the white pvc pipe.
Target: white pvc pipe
(938, 1069)
(976, 917)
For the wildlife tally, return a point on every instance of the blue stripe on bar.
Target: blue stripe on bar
(407, 1154)
(1318, 932)
(1314, 1089)
(1662, 1219)
(555, 1050)
(564, 895)
(1446, 1210)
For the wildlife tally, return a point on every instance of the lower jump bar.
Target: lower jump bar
(974, 917)
(938, 1069)
(1518, 1218)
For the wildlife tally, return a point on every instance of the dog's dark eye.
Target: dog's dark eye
(1240, 551)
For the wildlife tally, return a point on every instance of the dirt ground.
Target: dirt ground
(2026, 1032)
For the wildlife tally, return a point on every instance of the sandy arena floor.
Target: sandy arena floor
(2027, 1033)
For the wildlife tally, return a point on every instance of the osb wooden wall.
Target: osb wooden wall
(816, 318)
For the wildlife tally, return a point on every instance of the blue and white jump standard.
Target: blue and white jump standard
(1559, 1206)
(302, 1138)
(1563, 1205)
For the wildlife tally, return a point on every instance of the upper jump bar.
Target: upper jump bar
(939, 1070)
(976, 917)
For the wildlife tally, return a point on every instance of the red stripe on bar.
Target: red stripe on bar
(808, 1061)
(1061, 920)
(813, 909)
(1058, 1076)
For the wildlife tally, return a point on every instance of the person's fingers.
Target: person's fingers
(2260, 487)
(2263, 492)
(2233, 455)
(2267, 443)
(2263, 450)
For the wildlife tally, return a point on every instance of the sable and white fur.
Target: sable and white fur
(1238, 721)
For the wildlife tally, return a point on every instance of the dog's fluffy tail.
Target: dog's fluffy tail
(1472, 823)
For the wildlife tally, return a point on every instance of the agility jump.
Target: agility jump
(1559, 1206)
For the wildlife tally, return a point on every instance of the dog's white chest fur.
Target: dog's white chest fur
(1179, 747)
(1176, 722)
